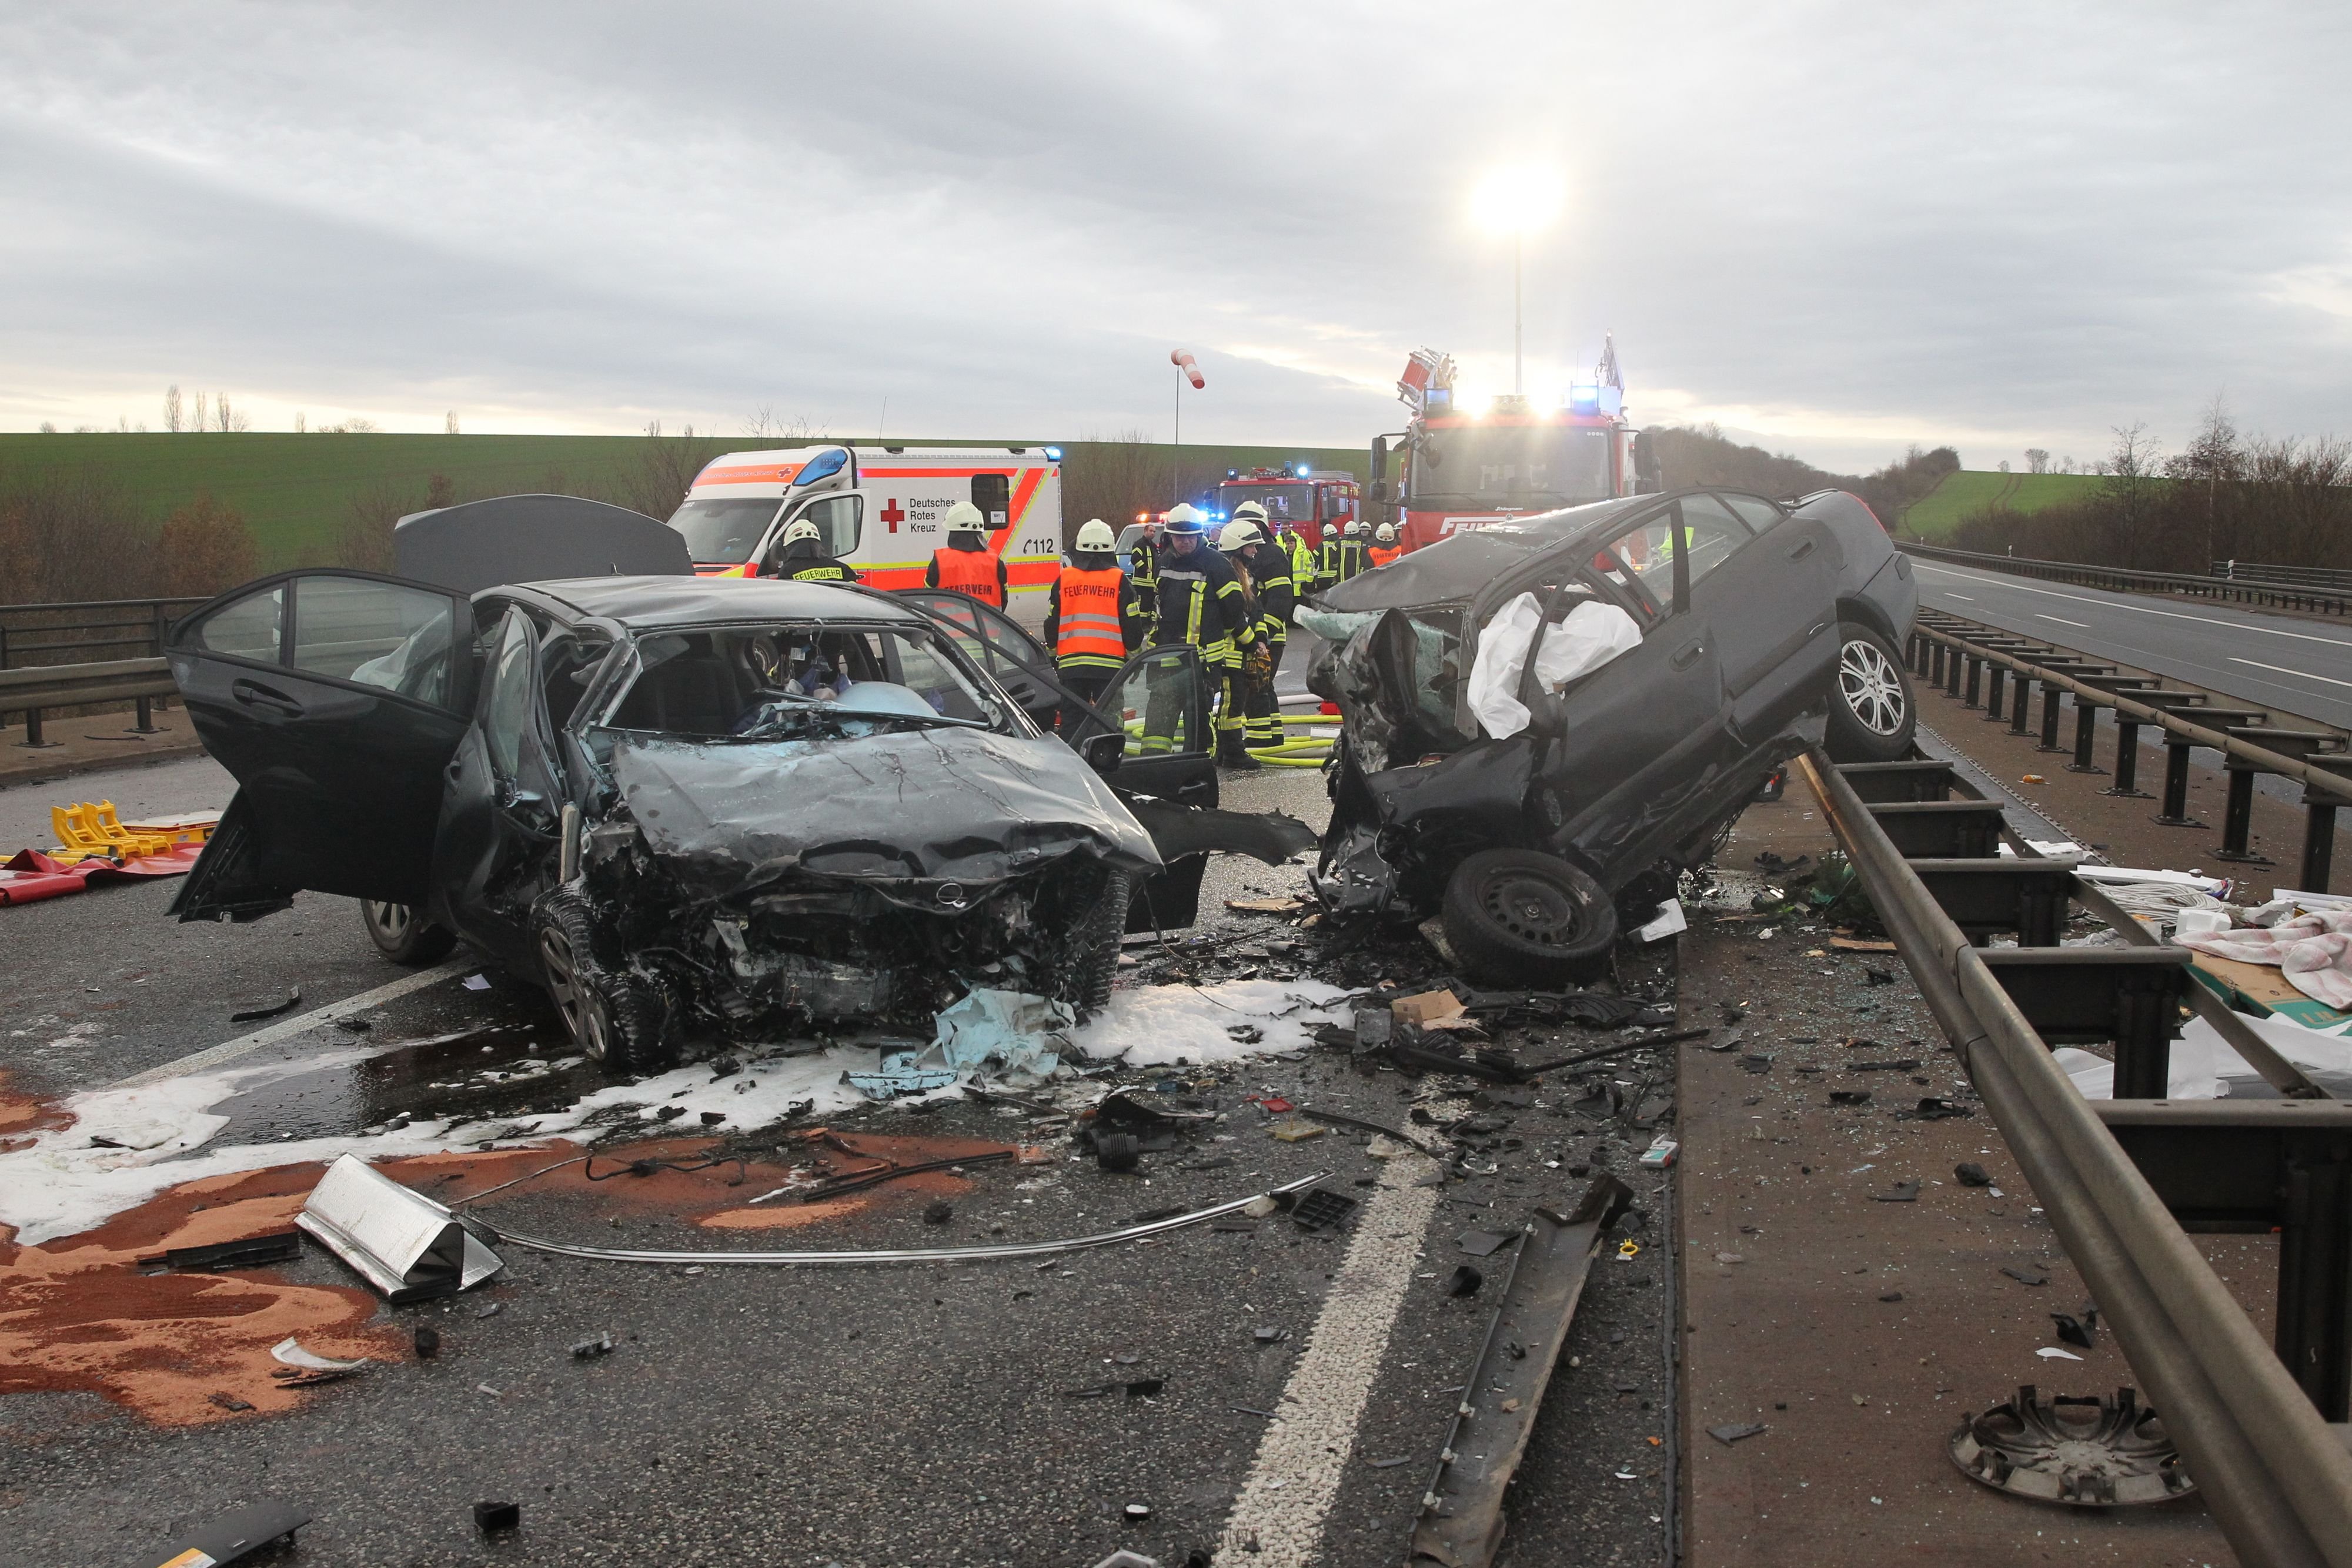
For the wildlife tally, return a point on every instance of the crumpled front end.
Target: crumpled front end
(766, 886)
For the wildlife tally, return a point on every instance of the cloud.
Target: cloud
(1845, 227)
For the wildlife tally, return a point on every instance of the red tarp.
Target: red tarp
(31, 876)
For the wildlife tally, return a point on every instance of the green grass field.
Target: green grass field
(296, 491)
(1968, 492)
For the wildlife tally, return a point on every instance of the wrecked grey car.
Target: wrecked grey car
(1699, 635)
(690, 807)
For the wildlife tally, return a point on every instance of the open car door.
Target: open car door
(336, 699)
(1020, 663)
(1168, 764)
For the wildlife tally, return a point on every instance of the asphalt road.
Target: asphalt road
(864, 1417)
(2296, 666)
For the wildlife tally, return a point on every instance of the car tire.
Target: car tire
(403, 935)
(1872, 710)
(616, 1019)
(1513, 916)
(1093, 950)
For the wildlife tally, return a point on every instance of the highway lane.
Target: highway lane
(2298, 667)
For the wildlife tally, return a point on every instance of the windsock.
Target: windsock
(1183, 361)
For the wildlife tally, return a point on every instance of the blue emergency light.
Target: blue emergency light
(1053, 454)
(1584, 399)
(1304, 470)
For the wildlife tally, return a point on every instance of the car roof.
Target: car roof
(646, 601)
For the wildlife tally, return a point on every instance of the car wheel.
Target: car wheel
(615, 1019)
(1872, 712)
(1094, 948)
(1516, 916)
(403, 935)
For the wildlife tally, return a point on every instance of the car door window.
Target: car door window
(249, 628)
(1755, 511)
(506, 700)
(838, 520)
(384, 634)
(992, 494)
(1713, 533)
(1156, 705)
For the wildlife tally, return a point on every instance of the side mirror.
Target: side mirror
(1103, 751)
(1380, 458)
(1379, 492)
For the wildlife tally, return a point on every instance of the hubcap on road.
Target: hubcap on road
(1871, 686)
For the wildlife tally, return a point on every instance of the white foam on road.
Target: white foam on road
(57, 1183)
(229, 1050)
(1277, 1521)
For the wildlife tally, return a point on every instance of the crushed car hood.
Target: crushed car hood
(932, 805)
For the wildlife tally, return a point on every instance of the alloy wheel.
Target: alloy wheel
(1871, 686)
(575, 1003)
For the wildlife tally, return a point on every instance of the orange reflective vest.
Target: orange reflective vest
(971, 571)
(1382, 554)
(1088, 630)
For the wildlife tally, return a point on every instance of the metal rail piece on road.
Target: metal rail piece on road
(2254, 1423)
(1965, 658)
(2320, 597)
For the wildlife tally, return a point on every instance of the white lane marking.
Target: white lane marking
(1277, 1521)
(1963, 599)
(2135, 609)
(2282, 669)
(285, 1029)
(2063, 621)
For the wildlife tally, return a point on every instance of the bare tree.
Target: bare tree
(766, 425)
(301, 422)
(2002, 466)
(48, 427)
(449, 423)
(1113, 477)
(224, 419)
(203, 423)
(172, 408)
(2037, 460)
(2213, 458)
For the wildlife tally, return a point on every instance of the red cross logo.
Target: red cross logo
(894, 514)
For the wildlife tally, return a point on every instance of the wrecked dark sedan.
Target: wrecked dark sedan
(688, 807)
(1545, 721)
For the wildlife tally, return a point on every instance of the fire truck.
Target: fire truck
(882, 509)
(1314, 501)
(1460, 470)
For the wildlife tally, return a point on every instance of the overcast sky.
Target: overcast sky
(1835, 228)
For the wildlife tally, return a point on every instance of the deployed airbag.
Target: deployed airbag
(1588, 637)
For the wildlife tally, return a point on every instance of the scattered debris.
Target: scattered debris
(1730, 1432)
(1661, 1154)
(1968, 1173)
(1462, 1511)
(1482, 1243)
(2088, 1452)
(1270, 1335)
(2025, 1276)
(254, 1015)
(2052, 1353)
(428, 1341)
(1901, 1192)
(1137, 1512)
(402, 1242)
(289, 1351)
(600, 1344)
(1900, 1064)
(254, 1252)
(1465, 1282)
(1265, 906)
(492, 1517)
(2077, 1331)
(1320, 1210)
(230, 1536)
(937, 1212)
(1849, 1096)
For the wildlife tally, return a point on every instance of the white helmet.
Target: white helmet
(801, 529)
(1355, 529)
(1095, 535)
(1239, 533)
(1385, 534)
(963, 517)
(1250, 511)
(1183, 518)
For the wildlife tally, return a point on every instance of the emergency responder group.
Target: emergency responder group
(1230, 600)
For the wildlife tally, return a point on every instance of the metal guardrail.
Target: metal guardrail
(35, 635)
(28, 692)
(2255, 1431)
(1964, 658)
(2281, 595)
(2302, 576)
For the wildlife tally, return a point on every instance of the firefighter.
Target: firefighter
(1200, 606)
(1265, 565)
(1302, 555)
(1328, 560)
(1143, 574)
(1385, 548)
(966, 564)
(1091, 619)
(802, 559)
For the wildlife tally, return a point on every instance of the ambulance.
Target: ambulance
(881, 509)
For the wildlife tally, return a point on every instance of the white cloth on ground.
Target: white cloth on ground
(2312, 952)
(2202, 1062)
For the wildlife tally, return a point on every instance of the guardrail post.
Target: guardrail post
(1976, 673)
(1952, 673)
(1936, 663)
(146, 724)
(2313, 1338)
(1994, 674)
(2021, 703)
(2238, 816)
(2053, 696)
(2087, 729)
(33, 740)
(2175, 811)
(2126, 759)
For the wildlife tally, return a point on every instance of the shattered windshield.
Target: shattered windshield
(797, 681)
(1510, 465)
(724, 532)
